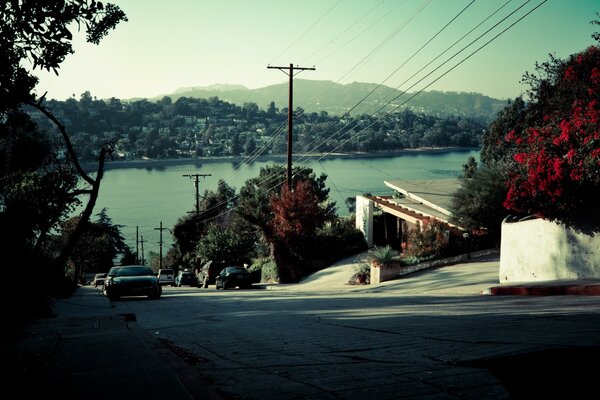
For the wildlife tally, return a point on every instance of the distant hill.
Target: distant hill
(337, 99)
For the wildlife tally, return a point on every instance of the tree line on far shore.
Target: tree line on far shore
(196, 127)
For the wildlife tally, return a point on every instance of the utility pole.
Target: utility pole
(196, 183)
(143, 262)
(161, 229)
(290, 73)
(137, 244)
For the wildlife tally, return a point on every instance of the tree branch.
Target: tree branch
(67, 140)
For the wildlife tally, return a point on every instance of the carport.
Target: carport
(387, 220)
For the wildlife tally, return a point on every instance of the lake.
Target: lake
(143, 197)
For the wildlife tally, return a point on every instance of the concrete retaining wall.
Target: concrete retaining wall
(540, 250)
(388, 273)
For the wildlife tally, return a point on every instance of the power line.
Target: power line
(378, 119)
(412, 56)
(404, 91)
(306, 31)
(438, 78)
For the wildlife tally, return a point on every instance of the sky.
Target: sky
(166, 45)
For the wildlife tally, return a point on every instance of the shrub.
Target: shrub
(383, 255)
(556, 163)
(336, 241)
(430, 241)
(362, 274)
(267, 268)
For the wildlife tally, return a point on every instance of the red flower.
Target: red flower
(520, 157)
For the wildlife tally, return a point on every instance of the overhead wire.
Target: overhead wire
(306, 31)
(423, 68)
(420, 91)
(412, 56)
(344, 31)
(380, 45)
(445, 73)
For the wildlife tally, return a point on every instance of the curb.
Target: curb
(569, 289)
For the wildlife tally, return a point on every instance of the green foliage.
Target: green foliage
(221, 245)
(429, 241)
(39, 31)
(477, 204)
(337, 240)
(495, 149)
(255, 195)
(267, 268)
(296, 217)
(383, 255)
(166, 130)
(37, 191)
(98, 247)
(362, 272)
(214, 208)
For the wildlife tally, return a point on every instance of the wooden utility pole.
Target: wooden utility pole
(137, 245)
(197, 184)
(290, 72)
(161, 229)
(143, 262)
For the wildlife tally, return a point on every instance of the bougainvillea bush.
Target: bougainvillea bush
(556, 160)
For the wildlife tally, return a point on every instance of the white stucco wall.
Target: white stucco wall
(364, 218)
(540, 250)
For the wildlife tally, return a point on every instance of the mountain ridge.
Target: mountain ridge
(360, 97)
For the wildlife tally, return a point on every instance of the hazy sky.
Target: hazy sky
(166, 45)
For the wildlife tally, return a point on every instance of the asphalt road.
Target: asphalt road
(432, 335)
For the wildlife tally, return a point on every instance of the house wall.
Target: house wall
(540, 250)
(364, 218)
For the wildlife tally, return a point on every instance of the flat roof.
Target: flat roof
(426, 194)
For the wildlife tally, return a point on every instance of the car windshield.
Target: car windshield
(133, 271)
(231, 270)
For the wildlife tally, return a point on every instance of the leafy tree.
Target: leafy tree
(222, 245)
(556, 166)
(470, 168)
(37, 33)
(98, 247)
(255, 206)
(495, 148)
(297, 215)
(215, 209)
(255, 195)
(477, 204)
(541, 157)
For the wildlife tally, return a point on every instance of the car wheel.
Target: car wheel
(154, 296)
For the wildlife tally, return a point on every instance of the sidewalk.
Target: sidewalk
(86, 352)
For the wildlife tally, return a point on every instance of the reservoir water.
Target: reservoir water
(143, 197)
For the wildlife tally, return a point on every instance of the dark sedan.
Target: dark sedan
(131, 280)
(232, 277)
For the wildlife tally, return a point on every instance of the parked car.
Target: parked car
(208, 273)
(131, 280)
(166, 277)
(231, 277)
(98, 280)
(185, 278)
